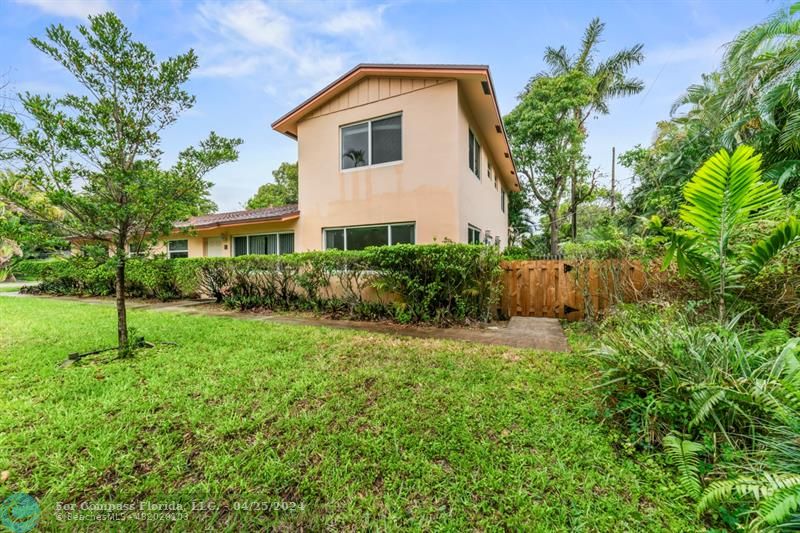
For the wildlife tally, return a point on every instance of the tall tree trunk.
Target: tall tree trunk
(122, 315)
(553, 232)
(574, 205)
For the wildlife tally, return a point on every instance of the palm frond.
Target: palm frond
(782, 237)
(685, 455)
(591, 37)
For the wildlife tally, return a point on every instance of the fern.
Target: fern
(685, 455)
(777, 496)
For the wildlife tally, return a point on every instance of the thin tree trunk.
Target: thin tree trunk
(554, 232)
(122, 315)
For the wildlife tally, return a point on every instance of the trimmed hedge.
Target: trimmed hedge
(31, 269)
(409, 283)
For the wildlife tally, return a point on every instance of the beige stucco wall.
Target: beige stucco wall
(478, 200)
(419, 189)
(198, 239)
(432, 186)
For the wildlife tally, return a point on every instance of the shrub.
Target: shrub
(31, 269)
(408, 283)
(664, 374)
(440, 283)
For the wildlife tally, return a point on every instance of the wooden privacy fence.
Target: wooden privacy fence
(574, 290)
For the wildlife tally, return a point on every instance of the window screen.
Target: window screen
(272, 244)
(355, 145)
(258, 244)
(403, 234)
(473, 235)
(334, 239)
(286, 243)
(239, 246)
(474, 155)
(178, 249)
(386, 140)
(360, 238)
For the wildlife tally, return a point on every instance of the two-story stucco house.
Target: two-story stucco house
(387, 154)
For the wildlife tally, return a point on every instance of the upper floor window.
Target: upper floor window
(503, 201)
(474, 155)
(177, 249)
(372, 142)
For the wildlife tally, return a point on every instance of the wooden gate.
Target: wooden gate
(565, 289)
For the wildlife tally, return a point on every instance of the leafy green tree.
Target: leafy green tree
(282, 192)
(547, 141)
(95, 156)
(753, 98)
(611, 81)
(724, 202)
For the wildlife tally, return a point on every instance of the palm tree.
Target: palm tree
(754, 98)
(609, 75)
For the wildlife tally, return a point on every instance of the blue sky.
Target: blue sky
(258, 59)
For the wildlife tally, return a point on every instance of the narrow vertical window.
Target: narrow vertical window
(473, 234)
(503, 201)
(474, 155)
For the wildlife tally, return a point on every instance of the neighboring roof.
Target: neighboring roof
(490, 113)
(231, 218)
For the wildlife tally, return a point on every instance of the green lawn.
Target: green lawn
(350, 429)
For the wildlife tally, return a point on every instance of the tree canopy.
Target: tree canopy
(547, 140)
(282, 192)
(95, 156)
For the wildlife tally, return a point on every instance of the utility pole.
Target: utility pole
(613, 178)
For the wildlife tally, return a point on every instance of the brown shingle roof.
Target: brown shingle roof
(264, 214)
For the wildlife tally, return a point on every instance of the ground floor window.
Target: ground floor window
(136, 250)
(266, 244)
(178, 249)
(359, 237)
(473, 234)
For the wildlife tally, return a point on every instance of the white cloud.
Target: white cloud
(294, 48)
(69, 8)
(251, 20)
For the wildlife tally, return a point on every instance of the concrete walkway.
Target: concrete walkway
(544, 334)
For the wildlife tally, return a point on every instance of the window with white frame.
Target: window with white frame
(136, 249)
(177, 249)
(503, 200)
(474, 155)
(491, 174)
(372, 142)
(263, 244)
(473, 234)
(359, 237)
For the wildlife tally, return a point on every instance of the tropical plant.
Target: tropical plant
(685, 455)
(610, 77)
(752, 98)
(724, 201)
(547, 141)
(771, 482)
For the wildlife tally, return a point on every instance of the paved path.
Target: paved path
(521, 332)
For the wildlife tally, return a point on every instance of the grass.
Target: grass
(8, 289)
(351, 430)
